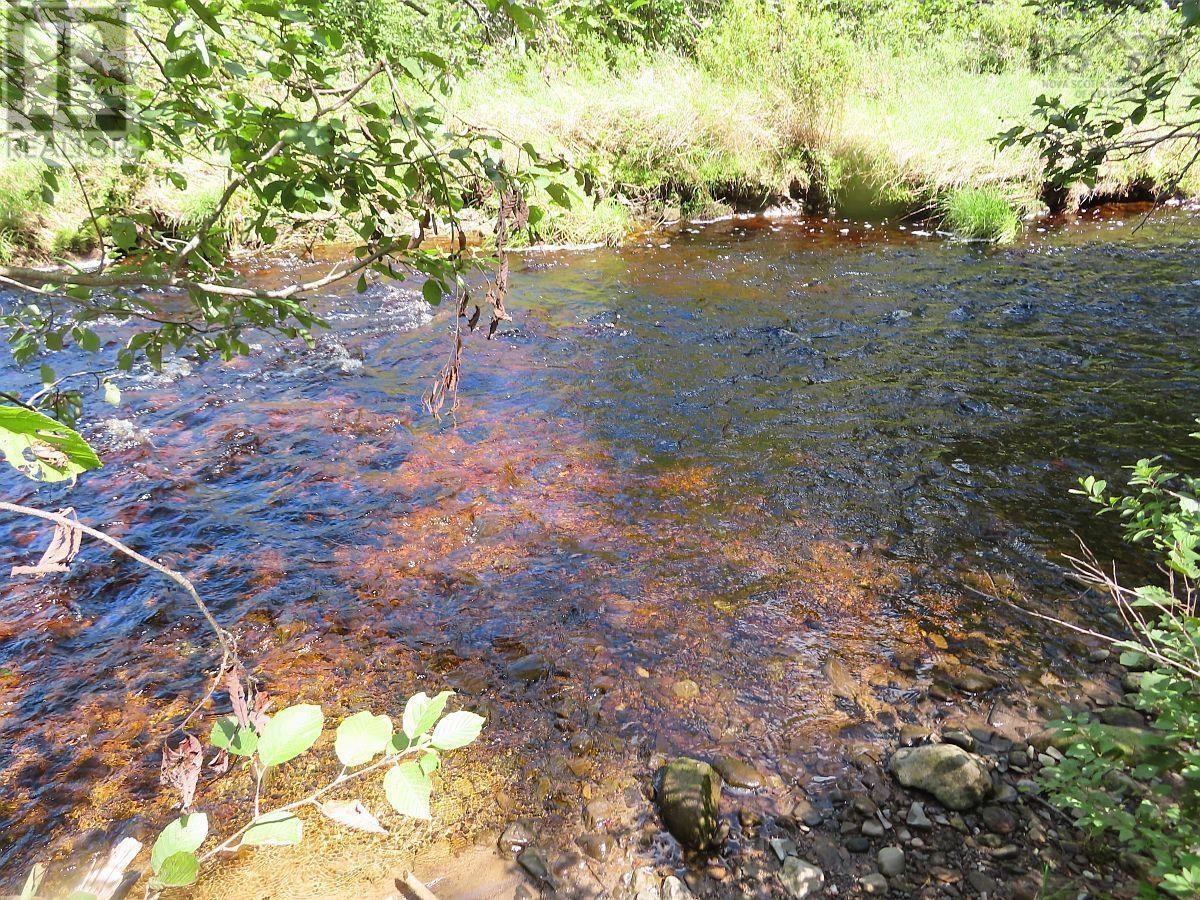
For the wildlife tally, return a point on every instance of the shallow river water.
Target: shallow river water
(686, 477)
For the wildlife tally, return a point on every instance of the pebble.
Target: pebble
(916, 816)
(595, 844)
(874, 883)
(998, 820)
(872, 828)
(858, 844)
(891, 861)
(783, 848)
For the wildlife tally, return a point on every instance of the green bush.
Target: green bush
(792, 48)
(1145, 793)
(980, 214)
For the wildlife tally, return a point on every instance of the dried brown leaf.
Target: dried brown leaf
(64, 545)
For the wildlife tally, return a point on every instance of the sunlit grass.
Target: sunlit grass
(980, 214)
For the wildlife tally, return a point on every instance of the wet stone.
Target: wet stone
(858, 844)
(959, 739)
(595, 844)
(689, 794)
(737, 773)
(533, 861)
(529, 668)
(969, 679)
(912, 734)
(516, 836)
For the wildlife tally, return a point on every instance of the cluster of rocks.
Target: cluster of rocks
(946, 811)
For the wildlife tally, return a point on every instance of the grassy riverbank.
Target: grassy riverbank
(868, 110)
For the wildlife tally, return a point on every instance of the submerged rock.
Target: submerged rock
(686, 690)
(529, 668)
(737, 773)
(689, 796)
(800, 878)
(966, 678)
(955, 777)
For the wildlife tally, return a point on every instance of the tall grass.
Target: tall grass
(980, 214)
(874, 108)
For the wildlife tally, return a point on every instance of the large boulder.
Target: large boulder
(689, 797)
(958, 779)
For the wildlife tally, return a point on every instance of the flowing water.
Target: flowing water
(720, 459)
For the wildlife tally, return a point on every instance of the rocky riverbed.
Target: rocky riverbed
(950, 806)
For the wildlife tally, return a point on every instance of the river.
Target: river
(687, 475)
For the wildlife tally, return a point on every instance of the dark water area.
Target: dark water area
(725, 458)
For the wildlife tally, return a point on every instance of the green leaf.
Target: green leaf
(457, 730)
(227, 735)
(205, 15)
(289, 733)
(408, 789)
(432, 292)
(361, 737)
(112, 394)
(421, 712)
(178, 870)
(124, 233)
(184, 835)
(41, 448)
(275, 829)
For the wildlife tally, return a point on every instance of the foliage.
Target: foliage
(1145, 793)
(363, 743)
(42, 448)
(314, 129)
(980, 214)
(792, 48)
(1155, 105)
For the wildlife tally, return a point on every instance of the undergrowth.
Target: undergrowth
(873, 110)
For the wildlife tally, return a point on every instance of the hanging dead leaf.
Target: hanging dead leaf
(181, 768)
(63, 547)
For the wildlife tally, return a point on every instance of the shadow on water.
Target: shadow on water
(686, 479)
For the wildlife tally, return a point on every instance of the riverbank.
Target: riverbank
(863, 113)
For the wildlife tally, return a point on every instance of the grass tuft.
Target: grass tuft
(980, 214)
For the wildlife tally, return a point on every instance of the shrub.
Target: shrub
(1142, 788)
(794, 49)
(980, 214)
